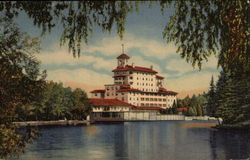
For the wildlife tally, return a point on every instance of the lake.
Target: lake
(158, 140)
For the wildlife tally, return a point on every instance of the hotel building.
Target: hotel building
(140, 87)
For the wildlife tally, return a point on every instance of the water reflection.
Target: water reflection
(230, 145)
(168, 140)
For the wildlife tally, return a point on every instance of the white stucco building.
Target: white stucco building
(138, 86)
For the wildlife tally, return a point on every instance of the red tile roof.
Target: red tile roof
(125, 86)
(134, 68)
(182, 109)
(147, 108)
(120, 75)
(98, 91)
(171, 92)
(107, 102)
(164, 90)
(159, 77)
(128, 90)
(123, 56)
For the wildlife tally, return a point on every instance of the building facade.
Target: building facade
(138, 86)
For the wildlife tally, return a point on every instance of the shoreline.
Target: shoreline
(88, 122)
(51, 123)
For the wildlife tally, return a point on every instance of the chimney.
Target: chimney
(151, 67)
(132, 64)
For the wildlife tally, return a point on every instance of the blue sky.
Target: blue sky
(143, 43)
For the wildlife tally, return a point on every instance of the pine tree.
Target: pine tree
(211, 99)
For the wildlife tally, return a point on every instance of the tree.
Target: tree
(21, 82)
(211, 99)
(197, 34)
(233, 97)
(81, 107)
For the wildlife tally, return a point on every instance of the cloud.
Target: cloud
(85, 76)
(180, 66)
(198, 81)
(61, 56)
(111, 46)
(139, 61)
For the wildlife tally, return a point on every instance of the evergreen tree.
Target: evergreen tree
(232, 97)
(211, 107)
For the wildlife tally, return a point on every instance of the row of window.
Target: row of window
(146, 84)
(110, 108)
(112, 88)
(153, 104)
(145, 78)
(119, 78)
(112, 94)
(149, 94)
(153, 99)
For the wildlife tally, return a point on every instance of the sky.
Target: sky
(142, 41)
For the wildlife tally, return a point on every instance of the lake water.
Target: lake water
(159, 140)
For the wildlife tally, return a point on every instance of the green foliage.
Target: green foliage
(21, 82)
(195, 105)
(56, 103)
(192, 27)
(211, 99)
(198, 34)
(233, 97)
(24, 94)
(77, 18)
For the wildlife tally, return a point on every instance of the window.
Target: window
(95, 94)
(131, 77)
(142, 99)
